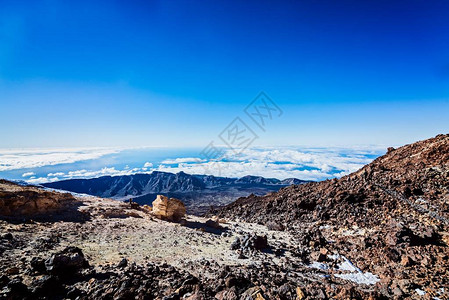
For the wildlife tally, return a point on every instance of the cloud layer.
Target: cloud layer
(34, 158)
(84, 174)
(281, 163)
(310, 164)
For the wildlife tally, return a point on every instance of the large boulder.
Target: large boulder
(170, 209)
(66, 262)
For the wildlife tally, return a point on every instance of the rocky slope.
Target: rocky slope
(390, 217)
(198, 192)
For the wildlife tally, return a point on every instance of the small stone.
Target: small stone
(12, 271)
(235, 244)
(4, 280)
(213, 224)
(324, 251)
(231, 281)
(397, 292)
(259, 297)
(241, 255)
(406, 261)
(38, 265)
(425, 261)
(123, 263)
(321, 294)
(47, 285)
(405, 284)
(317, 256)
(275, 226)
(18, 289)
(283, 290)
(7, 236)
(299, 294)
(253, 293)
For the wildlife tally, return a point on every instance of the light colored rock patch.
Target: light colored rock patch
(168, 208)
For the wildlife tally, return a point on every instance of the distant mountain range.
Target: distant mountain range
(198, 192)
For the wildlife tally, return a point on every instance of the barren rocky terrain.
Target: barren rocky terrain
(115, 238)
(378, 233)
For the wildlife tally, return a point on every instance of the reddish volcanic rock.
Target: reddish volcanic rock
(390, 216)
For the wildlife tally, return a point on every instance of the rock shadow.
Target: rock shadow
(202, 226)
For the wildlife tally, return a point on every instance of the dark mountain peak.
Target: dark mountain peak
(257, 179)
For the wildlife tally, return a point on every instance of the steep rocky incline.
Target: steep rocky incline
(390, 217)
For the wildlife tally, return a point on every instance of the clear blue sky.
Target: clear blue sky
(139, 73)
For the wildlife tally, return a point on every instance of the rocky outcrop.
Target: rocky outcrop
(64, 263)
(18, 201)
(170, 209)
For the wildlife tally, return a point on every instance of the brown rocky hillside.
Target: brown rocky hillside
(390, 217)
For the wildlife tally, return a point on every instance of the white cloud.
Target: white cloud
(106, 171)
(182, 160)
(40, 180)
(55, 174)
(33, 158)
(103, 172)
(28, 174)
(240, 169)
(148, 165)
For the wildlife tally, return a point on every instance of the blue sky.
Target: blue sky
(175, 73)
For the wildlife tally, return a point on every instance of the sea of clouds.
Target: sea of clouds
(13, 159)
(281, 163)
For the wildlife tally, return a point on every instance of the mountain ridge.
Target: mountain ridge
(158, 181)
(195, 190)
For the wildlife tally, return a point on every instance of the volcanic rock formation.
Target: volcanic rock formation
(168, 208)
(16, 200)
